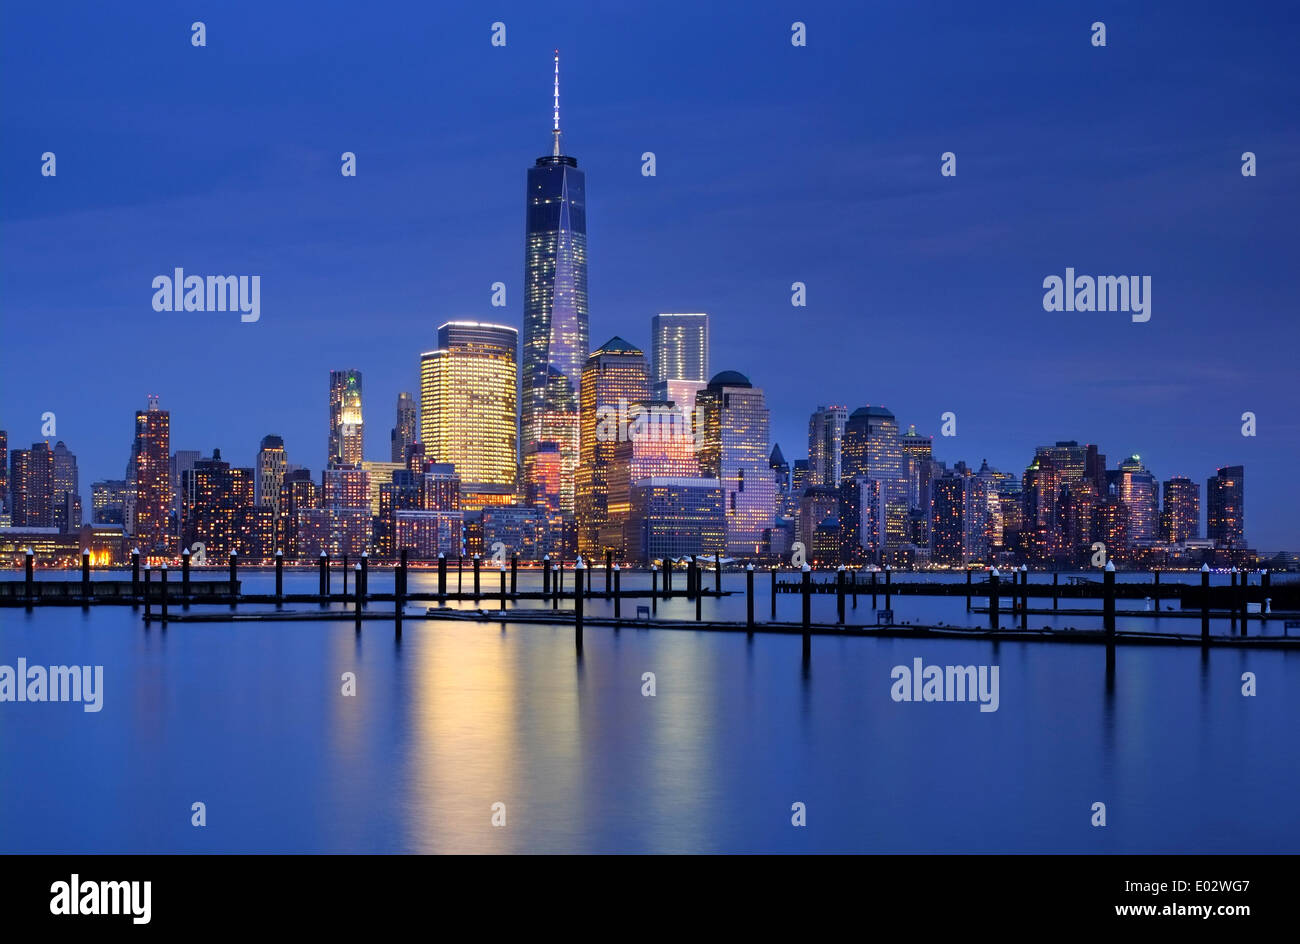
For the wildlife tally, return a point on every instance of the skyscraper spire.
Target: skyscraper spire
(555, 147)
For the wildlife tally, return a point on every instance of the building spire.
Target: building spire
(555, 132)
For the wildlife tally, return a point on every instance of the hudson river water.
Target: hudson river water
(249, 719)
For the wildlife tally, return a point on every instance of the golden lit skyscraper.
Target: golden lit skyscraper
(345, 418)
(467, 409)
(614, 376)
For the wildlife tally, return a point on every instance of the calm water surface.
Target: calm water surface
(249, 719)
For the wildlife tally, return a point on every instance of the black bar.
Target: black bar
(1205, 603)
(839, 594)
(577, 605)
(749, 595)
(994, 580)
(807, 597)
(618, 593)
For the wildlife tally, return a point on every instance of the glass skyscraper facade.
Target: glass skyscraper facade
(615, 376)
(555, 337)
(467, 409)
(734, 449)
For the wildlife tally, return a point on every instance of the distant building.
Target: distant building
(520, 529)
(818, 503)
(555, 336)
(346, 437)
(150, 517)
(672, 517)
(379, 475)
(298, 493)
(426, 534)
(217, 510)
(1136, 488)
(108, 501)
(614, 376)
(651, 450)
(31, 483)
(1225, 507)
(468, 409)
(272, 463)
(1180, 519)
(871, 449)
(680, 349)
(403, 435)
(734, 446)
(825, 434)
(4, 474)
(67, 490)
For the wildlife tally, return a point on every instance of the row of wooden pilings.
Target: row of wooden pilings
(553, 588)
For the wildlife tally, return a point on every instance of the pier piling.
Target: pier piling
(1205, 603)
(618, 598)
(839, 594)
(806, 588)
(185, 578)
(1108, 602)
(85, 578)
(162, 586)
(749, 596)
(577, 603)
(994, 580)
(279, 577)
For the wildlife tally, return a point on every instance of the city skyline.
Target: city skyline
(1179, 411)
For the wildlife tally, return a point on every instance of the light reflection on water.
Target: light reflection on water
(249, 719)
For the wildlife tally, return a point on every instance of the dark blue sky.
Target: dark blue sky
(775, 164)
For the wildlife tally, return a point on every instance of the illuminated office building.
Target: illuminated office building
(467, 409)
(680, 351)
(380, 474)
(614, 376)
(825, 434)
(543, 473)
(346, 428)
(272, 463)
(651, 450)
(673, 517)
(734, 446)
(108, 499)
(871, 449)
(1180, 520)
(1136, 488)
(555, 342)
